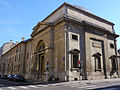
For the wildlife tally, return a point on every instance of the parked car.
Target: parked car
(10, 77)
(18, 77)
(3, 76)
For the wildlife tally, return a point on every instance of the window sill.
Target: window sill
(98, 70)
(74, 69)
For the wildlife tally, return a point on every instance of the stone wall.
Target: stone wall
(89, 18)
(106, 53)
(59, 51)
(14, 60)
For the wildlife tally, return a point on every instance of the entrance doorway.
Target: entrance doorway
(41, 66)
(40, 59)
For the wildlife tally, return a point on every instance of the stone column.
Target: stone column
(66, 52)
(51, 52)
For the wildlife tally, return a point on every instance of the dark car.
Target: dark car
(18, 77)
(10, 77)
(3, 76)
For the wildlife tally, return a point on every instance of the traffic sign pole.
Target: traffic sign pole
(47, 67)
(79, 71)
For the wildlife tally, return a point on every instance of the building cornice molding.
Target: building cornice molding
(89, 24)
(55, 22)
(81, 22)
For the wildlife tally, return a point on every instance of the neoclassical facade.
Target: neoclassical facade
(69, 39)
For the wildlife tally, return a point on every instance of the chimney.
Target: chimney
(16, 42)
(23, 38)
(10, 41)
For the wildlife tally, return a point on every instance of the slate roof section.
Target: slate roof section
(81, 9)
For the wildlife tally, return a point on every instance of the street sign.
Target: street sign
(63, 58)
(79, 63)
(47, 65)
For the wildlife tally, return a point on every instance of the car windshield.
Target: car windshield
(10, 75)
(20, 76)
(15, 75)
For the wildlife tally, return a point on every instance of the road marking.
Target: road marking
(54, 84)
(91, 86)
(33, 86)
(23, 87)
(12, 88)
(72, 85)
(60, 84)
(80, 87)
(42, 85)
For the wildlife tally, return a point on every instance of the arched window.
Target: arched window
(97, 58)
(113, 62)
(42, 47)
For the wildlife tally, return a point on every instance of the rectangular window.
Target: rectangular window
(20, 47)
(75, 37)
(111, 45)
(75, 60)
(98, 64)
(15, 57)
(18, 67)
(19, 56)
(27, 55)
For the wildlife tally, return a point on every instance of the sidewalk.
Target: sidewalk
(82, 81)
(100, 81)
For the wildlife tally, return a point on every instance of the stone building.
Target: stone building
(4, 48)
(69, 35)
(13, 60)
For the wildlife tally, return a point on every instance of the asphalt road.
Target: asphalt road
(11, 85)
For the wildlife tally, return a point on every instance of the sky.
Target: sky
(18, 17)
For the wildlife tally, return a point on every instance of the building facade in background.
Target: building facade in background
(6, 47)
(69, 39)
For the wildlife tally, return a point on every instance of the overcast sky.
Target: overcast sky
(18, 17)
